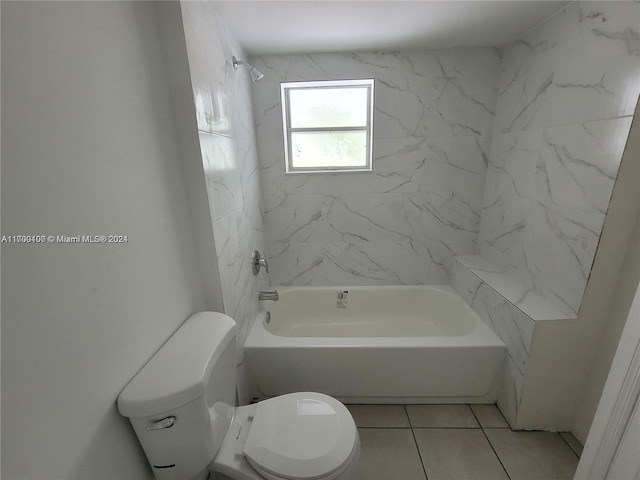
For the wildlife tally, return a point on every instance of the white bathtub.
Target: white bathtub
(391, 344)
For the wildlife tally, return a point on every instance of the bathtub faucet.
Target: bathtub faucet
(257, 261)
(268, 295)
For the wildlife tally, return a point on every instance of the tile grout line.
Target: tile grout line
(568, 444)
(386, 428)
(490, 444)
(413, 434)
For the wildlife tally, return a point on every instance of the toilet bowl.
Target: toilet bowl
(181, 406)
(275, 439)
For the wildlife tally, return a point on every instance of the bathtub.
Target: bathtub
(389, 344)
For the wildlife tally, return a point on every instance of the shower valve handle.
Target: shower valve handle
(257, 261)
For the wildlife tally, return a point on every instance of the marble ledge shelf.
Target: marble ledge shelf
(531, 303)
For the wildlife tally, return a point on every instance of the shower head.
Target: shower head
(254, 72)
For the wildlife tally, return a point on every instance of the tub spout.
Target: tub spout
(268, 295)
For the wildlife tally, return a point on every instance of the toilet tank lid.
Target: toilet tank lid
(178, 372)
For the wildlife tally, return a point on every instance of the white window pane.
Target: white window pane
(328, 107)
(329, 149)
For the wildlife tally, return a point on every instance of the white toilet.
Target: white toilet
(181, 405)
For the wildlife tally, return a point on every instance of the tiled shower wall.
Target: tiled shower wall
(421, 205)
(222, 98)
(568, 91)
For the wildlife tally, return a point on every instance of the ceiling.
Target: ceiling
(300, 26)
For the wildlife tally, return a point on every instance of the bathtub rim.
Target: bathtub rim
(482, 336)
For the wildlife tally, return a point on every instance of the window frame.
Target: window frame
(286, 87)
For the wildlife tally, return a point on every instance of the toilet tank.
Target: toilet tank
(181, 402)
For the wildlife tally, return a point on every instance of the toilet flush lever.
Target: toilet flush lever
(160, 424)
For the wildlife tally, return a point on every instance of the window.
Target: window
(327, 125)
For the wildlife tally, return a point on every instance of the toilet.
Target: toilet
(182, 408)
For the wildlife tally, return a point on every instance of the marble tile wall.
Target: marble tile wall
(567, 94)
(421, 205)
(505, 318)
(226, 133)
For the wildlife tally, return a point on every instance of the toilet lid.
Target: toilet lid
(300, 436)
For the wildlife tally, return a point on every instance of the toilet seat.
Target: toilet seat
(301, 436)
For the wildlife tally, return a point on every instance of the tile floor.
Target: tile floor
(457, 442)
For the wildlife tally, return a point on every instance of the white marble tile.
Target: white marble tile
(515, 158)
(436, 259)
(407, 84)
(209, 67)
(525, 298)
(464, 281)
(254, 221)
(294, 218)
(452, 112)
(442, 221)
(528, 71)
(289, 68)
(440, 164)
(478, 264)
(477, 85)
(364, 263)
(297, 263)
(525, 92)
(490, 194)
(521, 294)
(511, 324)
(233, 263)
(510, 395)
(502, 230)
(582, 64)
(597, 14)
(222, 98)
(236, 236)
(579, 66)
(371, 263)
(455, 164)
(599, 75)
(273, 180)
(238, 88)
(424, 198)
(222, 174)
(508, 322)
(367, 218)
(401, 106)
(560, 245)
(476, 63)
(514, 327)
(578, 164)
(267, 112)
(441, 216)
(559, 28)
(249, 170)
(397, 166)
(504, 284)
(385, 65)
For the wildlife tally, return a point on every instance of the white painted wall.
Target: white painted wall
(179, 76)
(611, 450)
(89, 147)
(612, 285)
